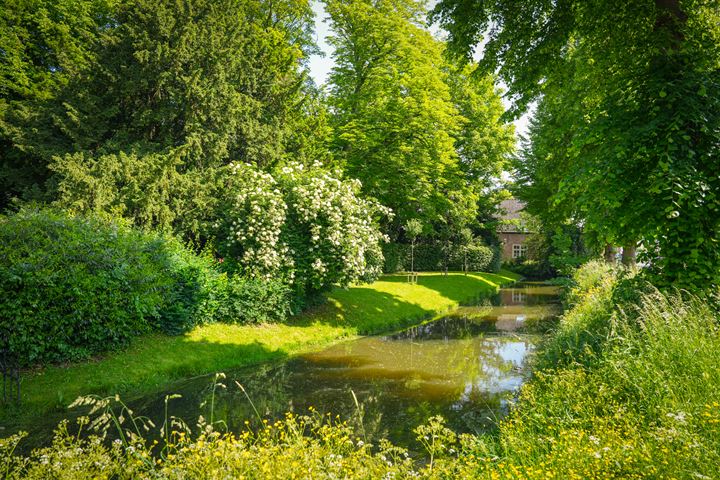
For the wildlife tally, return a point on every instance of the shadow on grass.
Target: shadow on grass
(385, 307)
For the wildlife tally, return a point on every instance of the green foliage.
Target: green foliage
(626, 132)
(395, 255)
(584, 328)
(484, 142)
(72, 286)
(399, 124)
(413, 228)
(44, 45)
(475, 257)
(553, 252)
(196, 295)
(150, 190)
(75, 286)
(431, 258)
(496, 262)
(253, 301)
(304, 225)
(531, 269)
(201, 82)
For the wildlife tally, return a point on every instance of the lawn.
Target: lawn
(153, 361)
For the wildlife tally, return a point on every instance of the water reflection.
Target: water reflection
(464, 366)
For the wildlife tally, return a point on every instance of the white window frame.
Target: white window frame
(519, 250)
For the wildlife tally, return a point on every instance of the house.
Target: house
(512, 229)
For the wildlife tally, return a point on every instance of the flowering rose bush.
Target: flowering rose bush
(303, 224)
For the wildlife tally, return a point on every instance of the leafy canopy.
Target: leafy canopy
(421, 135)
(629, 122)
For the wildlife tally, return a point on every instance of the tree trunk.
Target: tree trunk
(629, 254)
(412, 257)
(609, 253)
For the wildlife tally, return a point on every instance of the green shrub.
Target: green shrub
(496, 262)
(303, 224)
(528, 268)
(476, 256)
(73, 286)
(396, 257)
(196, 294)
(249, 300)
(430, 257)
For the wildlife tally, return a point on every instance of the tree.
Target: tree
(203, 82)
(175, 92)
(213, 80)
(642, 163)
(484, 142)
(413, 228)
(43, 45)
(465, 239)
(393, 115)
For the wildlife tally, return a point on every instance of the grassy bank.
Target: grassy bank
(627, 386)
(154, 361)
(622, 390)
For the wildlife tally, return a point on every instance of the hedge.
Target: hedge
(430, 257)
(72, 287)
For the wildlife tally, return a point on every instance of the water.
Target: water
(465, 366)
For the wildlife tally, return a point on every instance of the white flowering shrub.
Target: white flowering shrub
(255, 219)
(303, 224)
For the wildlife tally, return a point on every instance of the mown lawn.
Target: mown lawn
(153, 361)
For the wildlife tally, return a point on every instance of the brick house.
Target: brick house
(512, 230)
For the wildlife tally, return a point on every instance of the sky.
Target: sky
(320, 66)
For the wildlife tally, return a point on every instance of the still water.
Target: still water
(465, 366)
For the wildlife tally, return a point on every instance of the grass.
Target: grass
(154, 361)
(638, 396)
(622, 390)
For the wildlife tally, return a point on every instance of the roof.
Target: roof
(510, 209)
(510, 216)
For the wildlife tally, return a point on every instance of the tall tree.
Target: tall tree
(393, 114)
(216, 80)
(642, 164)
(484, 142)
(43, 45)
(178, 90)
(205, 82)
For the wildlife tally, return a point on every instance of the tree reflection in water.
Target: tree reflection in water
(465, 367)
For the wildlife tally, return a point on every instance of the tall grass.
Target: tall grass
(635, 392)
(584, 329)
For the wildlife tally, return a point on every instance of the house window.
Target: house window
(519, 250)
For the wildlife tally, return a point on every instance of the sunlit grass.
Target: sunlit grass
(154, 361)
